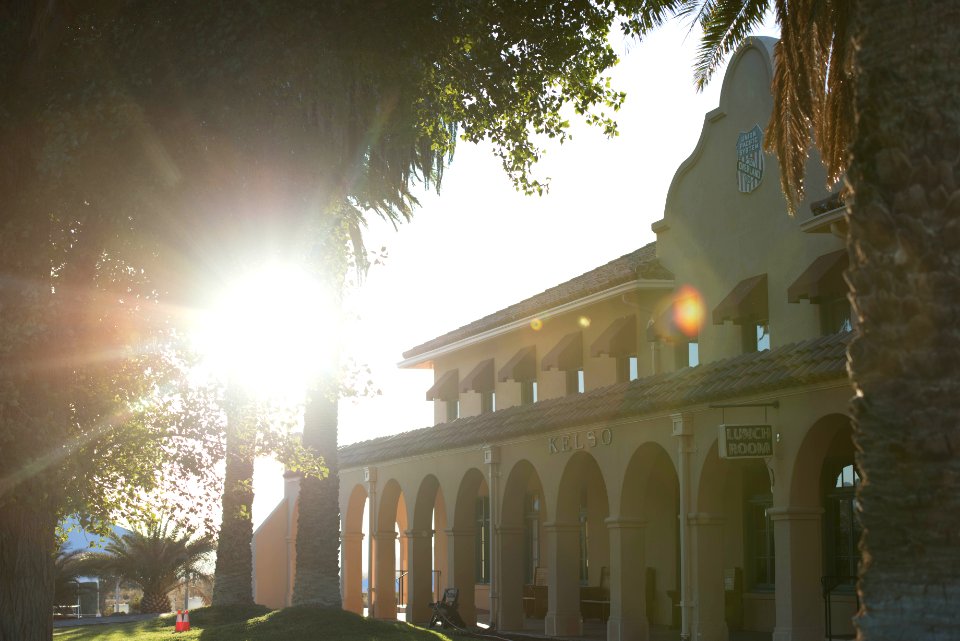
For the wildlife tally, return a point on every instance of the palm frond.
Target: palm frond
(725, 23)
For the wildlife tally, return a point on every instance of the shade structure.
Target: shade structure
(567, 356)
(445, 389)
(747, 301)
(480, 378)
(619, 339)
(822, 279)
(522, 366)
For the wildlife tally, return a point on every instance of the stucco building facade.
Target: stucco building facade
(662, 441)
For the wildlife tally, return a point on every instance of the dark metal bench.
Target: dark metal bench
(446, 612)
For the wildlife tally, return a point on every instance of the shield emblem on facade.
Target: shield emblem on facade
(750, 159)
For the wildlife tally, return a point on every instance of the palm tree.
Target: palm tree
(317, 579)
(155, 559)
(875, 81)
(234, 568)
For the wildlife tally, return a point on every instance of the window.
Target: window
(488, 402)
(575, 382)
(627, 369)
(756, 336)
(758, 529)
(835, 316)
(453, 410)
(528, 392)
(687, 354)
(842, 528)
(482, 540)
(531, 534)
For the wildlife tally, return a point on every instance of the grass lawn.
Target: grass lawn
(256, 623)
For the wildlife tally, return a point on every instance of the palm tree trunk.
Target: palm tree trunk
(905, 276)
(233, 576)
(27, 549)
(317, 579)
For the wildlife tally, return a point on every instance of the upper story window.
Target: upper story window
(522, 368)
(619, 341)
(627, 369)
(453, 410)
(488, 402)
(756, 337)
(528, 392)
(822, 284)
(567, 356)
(446, 389)
(747, 306)
(480, 380)
(687, 354)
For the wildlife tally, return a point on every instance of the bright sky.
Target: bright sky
(480, 246)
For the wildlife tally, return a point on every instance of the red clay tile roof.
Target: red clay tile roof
(639, 264)
(801, 363)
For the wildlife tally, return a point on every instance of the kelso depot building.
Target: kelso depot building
(604, 465)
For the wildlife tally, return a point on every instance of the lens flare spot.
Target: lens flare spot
(688, 311)
(584, 321)
(536, 324)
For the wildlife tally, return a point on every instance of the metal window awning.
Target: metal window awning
(747, 301)
(567, 356)
(618, 340)
(445, 389)
(521, 367)
(480, 378)
(822, 279)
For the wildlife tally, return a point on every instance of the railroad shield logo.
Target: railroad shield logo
(750, 159)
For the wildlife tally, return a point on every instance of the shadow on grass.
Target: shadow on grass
(306, 623)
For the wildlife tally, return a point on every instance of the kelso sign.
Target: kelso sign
(579, 440)
(745, 441)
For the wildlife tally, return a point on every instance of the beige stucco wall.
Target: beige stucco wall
(591, 319)
(270, 559)
(712, 236)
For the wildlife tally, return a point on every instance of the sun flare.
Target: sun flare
(271, 330)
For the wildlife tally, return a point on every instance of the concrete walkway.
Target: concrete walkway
(120, 618)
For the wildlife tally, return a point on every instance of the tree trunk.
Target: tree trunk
(317, 579)
(233, 576)
(153, 602)
(27, 549)
(905, 276)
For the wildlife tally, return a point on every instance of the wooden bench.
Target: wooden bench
(595, 599)
(535, 595)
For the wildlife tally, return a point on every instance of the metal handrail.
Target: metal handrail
(828, 584)
(435, 585)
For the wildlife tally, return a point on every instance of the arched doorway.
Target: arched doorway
(351, 550)
(427, 545)
(823, 484)
(469, 545)
(578, 549)
(522, 556)
(645, 563)
(390, 551)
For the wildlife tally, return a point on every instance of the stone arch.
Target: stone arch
(579, 542)
(822, 501)
(351, 550)
(388, 555)
(521, 545)
(462, 542)
(830, 437)
(427, 528)
(650, 502)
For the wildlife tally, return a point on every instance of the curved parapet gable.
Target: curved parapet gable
(735, 77)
